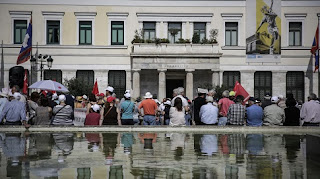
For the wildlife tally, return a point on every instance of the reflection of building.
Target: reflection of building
(92, 40)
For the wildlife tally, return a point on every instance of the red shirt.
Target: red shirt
(225, 104)
(149, 107)
(92, 119)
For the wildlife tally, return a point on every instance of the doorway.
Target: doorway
(172, 84)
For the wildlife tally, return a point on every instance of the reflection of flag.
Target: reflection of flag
(95, 89)
(25, 82)
(315, 49)
(239, 90)
(26, 48)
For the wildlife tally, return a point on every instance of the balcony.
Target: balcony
(176, 50)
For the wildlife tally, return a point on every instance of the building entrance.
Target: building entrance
(172, 84)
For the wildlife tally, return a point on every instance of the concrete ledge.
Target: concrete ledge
(190, 129)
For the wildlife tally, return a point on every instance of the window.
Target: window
(117, 33)
(231, 34)
(174, 32)
(295, 84)
(20, 30)
(86, 77)
(199, 28)
(85, 32)
(117, 79)
(230, 78)
(149, 30)
(54, 75)
(53, 32)
(262, 84)
(295, 33)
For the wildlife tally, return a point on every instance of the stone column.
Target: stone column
(184, 30)
(158, 30)
(102, 77)
(190, 30)
(189, 83)
(136, 83)
(221, 78)
(162, 84)
(128, 80)
(279, 83)
(164, 30)
(215, 78)
(140, 25)
(208, 28)
(247, 81)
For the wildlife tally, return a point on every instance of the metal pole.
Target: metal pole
(41, 68)
(2, 68)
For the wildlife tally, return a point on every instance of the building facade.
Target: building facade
(93, 40)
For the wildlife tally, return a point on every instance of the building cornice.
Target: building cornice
(51, 13)
(140, 14)
(231, 15)
(28, 13)
(117, 14)
(294, 15)
(85, 13)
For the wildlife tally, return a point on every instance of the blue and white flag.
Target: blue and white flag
(26, 48)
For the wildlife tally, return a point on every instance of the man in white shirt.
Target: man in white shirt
(208, 112)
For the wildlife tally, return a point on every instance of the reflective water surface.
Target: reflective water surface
(158, 155)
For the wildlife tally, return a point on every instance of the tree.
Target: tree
(77, 87)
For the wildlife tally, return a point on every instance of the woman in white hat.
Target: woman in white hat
(94, 116)
(62, 113)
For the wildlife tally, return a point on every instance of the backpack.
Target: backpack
(166, 112)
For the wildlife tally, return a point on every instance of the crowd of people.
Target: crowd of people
(47, 108)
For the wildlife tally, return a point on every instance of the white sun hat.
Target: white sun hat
(110, 88)
(148, 95)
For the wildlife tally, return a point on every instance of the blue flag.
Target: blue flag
(26, 48)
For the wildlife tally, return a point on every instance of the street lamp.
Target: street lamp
(41, 58)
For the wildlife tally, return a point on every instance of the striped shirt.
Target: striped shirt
(236, 114)
(63, 116)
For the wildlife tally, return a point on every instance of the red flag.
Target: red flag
(239, 90)
(95, 89)
(25, 82)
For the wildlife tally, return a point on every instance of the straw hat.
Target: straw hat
(148, 95)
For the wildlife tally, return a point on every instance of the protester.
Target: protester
(177, 113)
(14, 112)
(32, 106)
(43, 113)
(224, 105)
(197, 104)
(62, 113)
(127, 108)
(78, 102)
(282, 102)
(3, 98)
(236, 112)
(149, 108)
(93, 118)
(266, 102)
(254, 113)
(310, 111)
(292, 114)
(273, 114)
(166, 112)
(232, 96)
(208, 112)
(84, 101)
(110, 113)
(16, 89)
(92, 101)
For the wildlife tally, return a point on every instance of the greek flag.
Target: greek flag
(26, 48)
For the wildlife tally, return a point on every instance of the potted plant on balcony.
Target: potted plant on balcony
(213, 36)
(138, 37)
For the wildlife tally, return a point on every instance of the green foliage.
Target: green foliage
(213, 33)
(77, 87)
(195, 38)
(138, 37)
(205, 41)
(174, 32)
(183, 41)
(164, 40)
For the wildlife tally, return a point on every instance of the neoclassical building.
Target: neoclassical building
(93, 40)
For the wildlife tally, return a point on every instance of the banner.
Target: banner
(263, 35)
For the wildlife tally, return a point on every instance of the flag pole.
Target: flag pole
(2, 67)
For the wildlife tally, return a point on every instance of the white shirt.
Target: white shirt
(184, 101)
(209, 114)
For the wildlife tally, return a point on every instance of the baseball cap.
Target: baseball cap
(274, 99)
(110, 88)
(127, 95)
(232, 93)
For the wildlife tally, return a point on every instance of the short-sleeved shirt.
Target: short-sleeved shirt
(149, 106)
(127, 109)
(225, 104)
